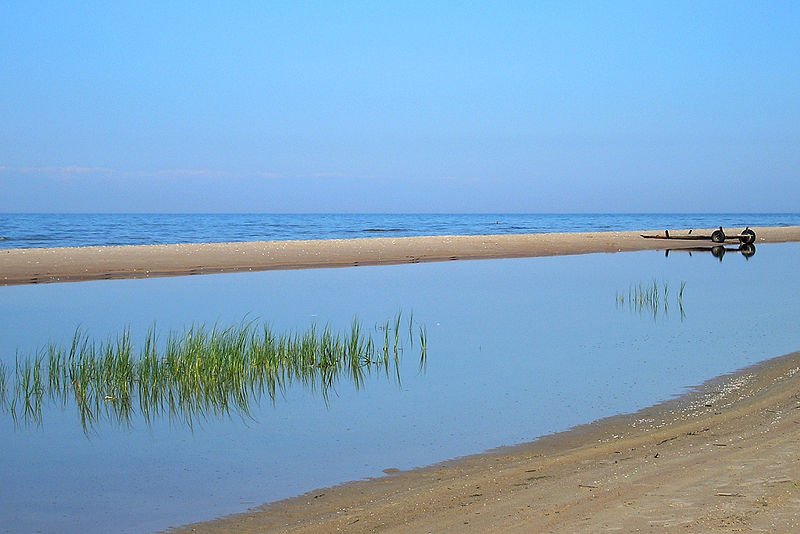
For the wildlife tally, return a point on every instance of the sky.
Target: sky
(370, 107)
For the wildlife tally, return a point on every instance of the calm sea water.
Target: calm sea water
(517, 349)
(79, 230)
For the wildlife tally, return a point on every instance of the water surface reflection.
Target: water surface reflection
(747, 250)
(199, 374)
(523, 347)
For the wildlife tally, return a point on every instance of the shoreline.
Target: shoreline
(52, 265)
(718, 457)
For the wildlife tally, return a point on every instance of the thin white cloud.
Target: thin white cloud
(77, 171)
(321, 175)
(268, 175)
(182, 173)
(69, 170)
(210, 173)
(326, 175)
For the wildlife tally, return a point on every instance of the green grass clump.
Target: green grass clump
(651, 298)
(199, 373)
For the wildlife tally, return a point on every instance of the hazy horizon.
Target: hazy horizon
(360, 107)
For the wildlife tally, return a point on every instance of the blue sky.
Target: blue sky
(399, 107)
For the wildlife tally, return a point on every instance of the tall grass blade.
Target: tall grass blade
(195, 375)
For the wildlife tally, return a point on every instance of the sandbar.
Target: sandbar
(33, 266)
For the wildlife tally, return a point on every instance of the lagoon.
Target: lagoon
(517, 349)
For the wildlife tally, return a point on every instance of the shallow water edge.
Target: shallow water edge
(722, 404)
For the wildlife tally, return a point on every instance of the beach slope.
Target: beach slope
(721, 459)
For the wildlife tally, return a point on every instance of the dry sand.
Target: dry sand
(723, 459)
(31, 266)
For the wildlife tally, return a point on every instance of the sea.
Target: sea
(49, 230)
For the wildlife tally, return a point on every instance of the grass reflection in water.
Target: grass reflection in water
(201, 373)
(651, 298)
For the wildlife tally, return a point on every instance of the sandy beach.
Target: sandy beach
(34, 266)
(723, 458)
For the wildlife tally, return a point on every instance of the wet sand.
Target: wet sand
(31, 266)
(723, 458)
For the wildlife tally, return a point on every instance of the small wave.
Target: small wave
(36, 237)
(383, 230)
(2, 238)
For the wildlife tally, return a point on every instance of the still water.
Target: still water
(517, 349)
